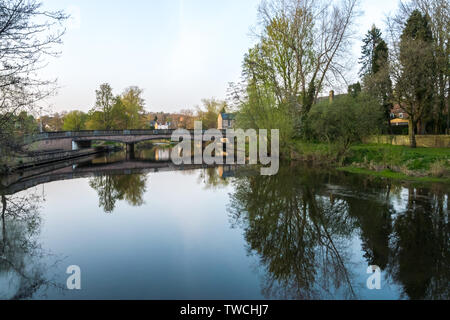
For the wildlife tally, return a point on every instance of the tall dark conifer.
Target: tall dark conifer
(375, 70)
(371, 41)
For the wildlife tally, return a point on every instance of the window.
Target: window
(400, 115)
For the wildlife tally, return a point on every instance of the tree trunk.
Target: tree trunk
(3, 205)
(3, 224)
(448, 114)
(420, 127)
(412, 134)
(389, 125)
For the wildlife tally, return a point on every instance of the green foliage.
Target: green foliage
(210, 112)
(375, 71)
(75, 121)
(117, 112)
(417, 27)
(133, 104)
(380, 56)
(95, 120)
(261, 111)
(345, 121)
(101, 115)
(416, 70)
(400, 162)
(25, 124)
(354, 90)
(396, 156)
(110, 189)
(371, 42)
(389, 174)
(18, 126)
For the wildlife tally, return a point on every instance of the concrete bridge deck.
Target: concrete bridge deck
(65, 140)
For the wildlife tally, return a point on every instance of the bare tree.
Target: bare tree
(304, 45)
(28, 35)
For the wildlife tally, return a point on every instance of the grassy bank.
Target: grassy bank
(393, 175)
(394, 162)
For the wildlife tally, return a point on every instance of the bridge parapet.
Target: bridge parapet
(92, 133)
(100, 133)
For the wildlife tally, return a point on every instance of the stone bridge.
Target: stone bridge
(73, 140)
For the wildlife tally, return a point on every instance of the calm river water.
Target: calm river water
(144, 229)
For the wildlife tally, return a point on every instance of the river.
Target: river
(143, 229)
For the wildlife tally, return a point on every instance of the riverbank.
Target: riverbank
(31, 160)
(387, 161)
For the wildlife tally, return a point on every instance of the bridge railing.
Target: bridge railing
(97, 133)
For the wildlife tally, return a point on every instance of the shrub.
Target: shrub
(266, 114)
(439, 169)
(345, 121)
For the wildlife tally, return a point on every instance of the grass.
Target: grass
(419, 159)
(388, 174)
(393, 162)
(316, 152)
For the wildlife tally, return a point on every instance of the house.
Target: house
(398, 116)
(160, 126)
(226, 121)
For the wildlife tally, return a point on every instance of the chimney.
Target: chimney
(331, 96)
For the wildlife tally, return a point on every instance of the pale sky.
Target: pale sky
(178, 51)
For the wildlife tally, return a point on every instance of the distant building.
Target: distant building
(226, 121)
(398, 116)
(160, 126)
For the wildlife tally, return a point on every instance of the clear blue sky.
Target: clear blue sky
(178, 51)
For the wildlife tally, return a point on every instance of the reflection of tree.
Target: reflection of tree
(300, 224)
(122, 187)
(300, 235)
(374, 218)
(421, 246)
(21, 257)
(212, 179)
(413, 247)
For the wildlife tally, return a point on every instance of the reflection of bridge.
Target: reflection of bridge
(74, 139)
(71, 170)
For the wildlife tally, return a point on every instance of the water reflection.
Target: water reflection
(312, 233)
(157, 152)
(302, 226)
(22, 267)
(420, 250)
(216, 177)
(111, 188)
(298, 234)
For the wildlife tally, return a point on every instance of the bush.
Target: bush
(439, 169)
(266, 114)
(345, 121)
